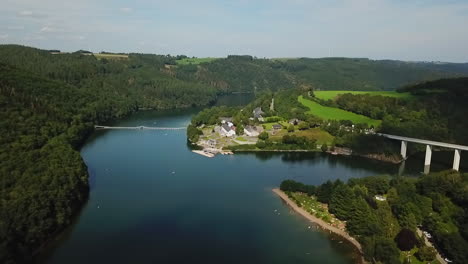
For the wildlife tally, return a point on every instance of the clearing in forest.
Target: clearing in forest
(194, 60)
(110, 56)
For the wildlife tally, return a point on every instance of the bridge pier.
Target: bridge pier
(401, 169)
(427, 160)
(404, 146)
(429, 144)
(456, 160)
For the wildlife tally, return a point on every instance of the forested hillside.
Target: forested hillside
(244, 73)
(365, 74)
(125, 84)
(44, 180)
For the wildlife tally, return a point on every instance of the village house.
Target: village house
(251, 131)
(225, 119)
(294, 121)
(228, 129)
(277, 126)
(257, 113)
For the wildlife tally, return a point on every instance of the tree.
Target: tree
(386, 251)
(324, 147)
(193, 133)
(406, 240)
(324, 192)
(239, 129)
(426, 253)
(291, 128)
(263, 136)
(341, 202)
(303, 126)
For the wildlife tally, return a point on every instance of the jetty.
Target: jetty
(211, 152)
(139, 127)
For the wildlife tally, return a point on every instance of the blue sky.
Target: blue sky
(422, 30)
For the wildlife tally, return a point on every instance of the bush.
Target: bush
(324, 147)
(291, 128)
(263, 136)
(304, 126)
(261, 144)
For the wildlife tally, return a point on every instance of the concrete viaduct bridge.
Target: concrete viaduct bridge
(429, 144)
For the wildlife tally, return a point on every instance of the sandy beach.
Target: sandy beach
(318, 221)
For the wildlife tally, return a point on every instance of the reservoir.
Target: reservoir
(154, 201)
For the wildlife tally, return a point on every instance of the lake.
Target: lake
(154, 201)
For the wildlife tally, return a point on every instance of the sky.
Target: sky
(412, 30)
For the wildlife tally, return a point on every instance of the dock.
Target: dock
(210, 153)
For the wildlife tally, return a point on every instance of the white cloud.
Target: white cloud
(3, 36)
(50, 29)
(71, 37)
(407, 30)
(126, 9)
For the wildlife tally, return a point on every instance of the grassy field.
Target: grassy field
(331, 113)
(195, 60)
(318, 134)
(110, 56)
(326, 95)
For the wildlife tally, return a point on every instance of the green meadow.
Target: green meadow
(195, 60)
(332, 113)
(326, 95)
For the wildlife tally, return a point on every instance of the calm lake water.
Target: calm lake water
(154, 201)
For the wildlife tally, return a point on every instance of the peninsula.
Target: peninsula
(336, 226)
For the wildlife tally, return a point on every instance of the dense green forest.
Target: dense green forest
(364, 74)
(44, 180)
(242, 73)
(437, 203)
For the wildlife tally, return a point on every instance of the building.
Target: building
(211, 143)
(227, 130)
(294, 121)
(380, 198)
(257, 113)
(277, 126)
(251, 131)
(225, 119)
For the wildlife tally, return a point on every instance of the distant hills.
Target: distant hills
(244, 73)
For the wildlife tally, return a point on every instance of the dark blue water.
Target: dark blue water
(154, 201)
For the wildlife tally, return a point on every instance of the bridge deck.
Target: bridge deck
(426, 142)
(140, 127)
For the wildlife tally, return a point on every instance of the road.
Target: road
(429, 244)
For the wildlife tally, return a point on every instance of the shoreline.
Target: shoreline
(370, 157)
(274, 150)
(320, 222)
